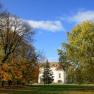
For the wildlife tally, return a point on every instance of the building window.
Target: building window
(59, 75)
(59, 81)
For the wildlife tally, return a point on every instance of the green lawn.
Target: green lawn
(51, 89)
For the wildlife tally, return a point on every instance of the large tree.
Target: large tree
(12, 33)
(18, 57)
(80, 51)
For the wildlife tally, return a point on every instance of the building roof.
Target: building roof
(52, 64)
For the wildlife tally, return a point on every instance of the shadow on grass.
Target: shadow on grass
(50, 89)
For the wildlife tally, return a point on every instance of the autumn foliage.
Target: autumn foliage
(18, 58)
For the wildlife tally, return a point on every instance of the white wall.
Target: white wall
(56, 74)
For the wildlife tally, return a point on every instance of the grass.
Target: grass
(51, 89)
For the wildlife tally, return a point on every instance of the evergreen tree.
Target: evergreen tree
(47, 74)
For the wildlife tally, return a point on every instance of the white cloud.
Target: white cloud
(46, 25)
(82, 16)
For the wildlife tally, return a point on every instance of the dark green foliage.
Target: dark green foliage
(47, 74)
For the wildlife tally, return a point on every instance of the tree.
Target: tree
(23, 64)
(16, 52)
(12, 32)
(66, 65)
(63, 59)
(47, 74)
(80, 51)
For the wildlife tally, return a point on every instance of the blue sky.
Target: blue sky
(51, 19)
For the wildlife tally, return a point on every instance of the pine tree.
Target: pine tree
(47, 74)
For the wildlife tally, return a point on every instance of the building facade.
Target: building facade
(58, 73)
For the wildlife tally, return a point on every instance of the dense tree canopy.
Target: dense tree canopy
(80, 52)
(18, 57)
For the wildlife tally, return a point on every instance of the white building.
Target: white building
(58, 73)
